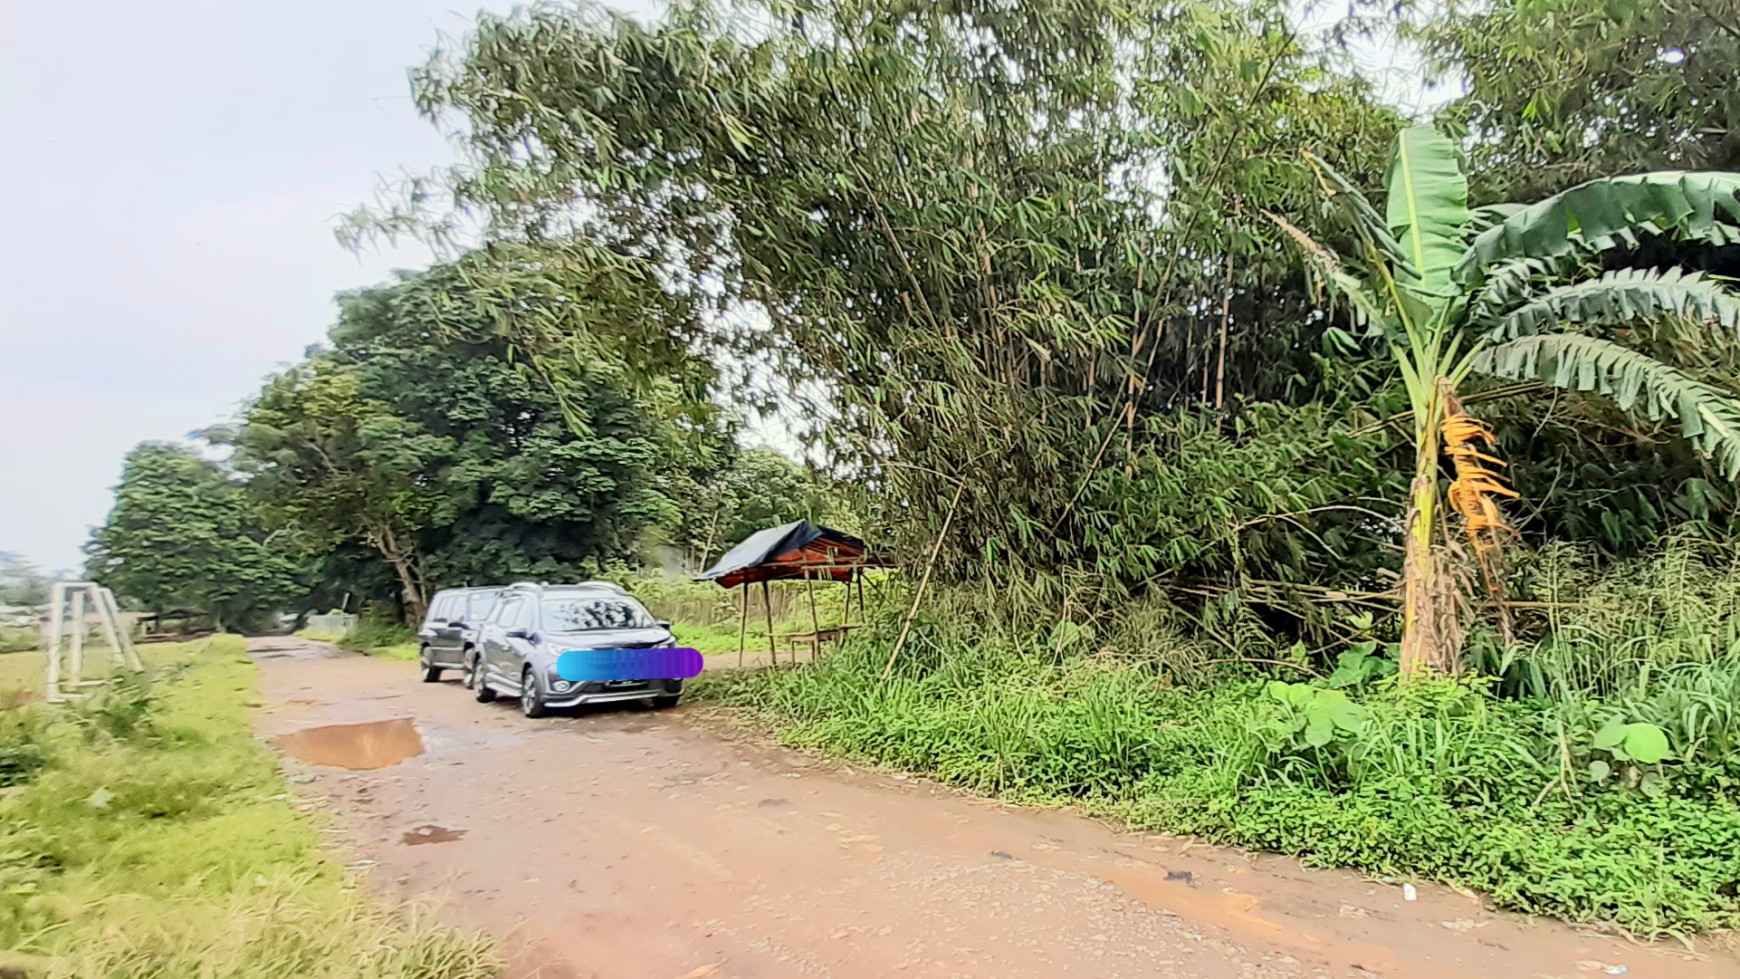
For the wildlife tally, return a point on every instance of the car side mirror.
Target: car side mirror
(455, 624)
(664, 623)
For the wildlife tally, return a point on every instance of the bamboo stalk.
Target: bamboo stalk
(924, 581)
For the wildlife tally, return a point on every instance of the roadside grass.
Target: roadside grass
(146, 833)
(403, 651)
(1444, 780)
(20, 672)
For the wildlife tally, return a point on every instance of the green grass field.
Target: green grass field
(145, 832)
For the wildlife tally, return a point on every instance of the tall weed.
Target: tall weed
(1482, 782)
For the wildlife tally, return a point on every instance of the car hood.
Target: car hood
(608, 639)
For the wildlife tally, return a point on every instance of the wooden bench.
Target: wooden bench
(816, 637)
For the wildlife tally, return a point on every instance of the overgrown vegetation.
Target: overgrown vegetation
(146, 833)
(1547, 787)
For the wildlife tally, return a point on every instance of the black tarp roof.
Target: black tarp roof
(794, 550)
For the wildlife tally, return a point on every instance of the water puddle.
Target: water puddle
(430, 833)
(374, 744)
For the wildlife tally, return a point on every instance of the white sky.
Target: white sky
(172, 172)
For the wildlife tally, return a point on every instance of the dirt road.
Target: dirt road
(628, 843)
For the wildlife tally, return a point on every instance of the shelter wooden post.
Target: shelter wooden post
(767, 603)
(815, 621)
(743, 624)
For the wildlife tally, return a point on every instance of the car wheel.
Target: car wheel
(431, 672)
(480, 686)
(468, 672)
(661, 703)
(531, 698)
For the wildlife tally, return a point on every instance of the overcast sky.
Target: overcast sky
(172, 171)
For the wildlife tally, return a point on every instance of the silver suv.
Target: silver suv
(535, 623)
(449, 631)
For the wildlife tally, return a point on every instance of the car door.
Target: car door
(444, 633)
(434, 621)
(494, 642)
(519, 646)
(478, 606)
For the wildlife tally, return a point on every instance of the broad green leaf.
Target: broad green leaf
(1646, 743)
(1427, 212)
(1610, 735)
(1622, 296)
(1319, 732)
(1709, 417)
(1599, 770)
(1349, 717)
(1593, 215)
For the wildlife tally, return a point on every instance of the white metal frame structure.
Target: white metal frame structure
(66, 607)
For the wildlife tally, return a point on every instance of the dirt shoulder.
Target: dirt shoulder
(628, 843)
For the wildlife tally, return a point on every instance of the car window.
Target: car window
(585, 613)
(482, 604)
(438, 608)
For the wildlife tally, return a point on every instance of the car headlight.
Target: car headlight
(560, 686)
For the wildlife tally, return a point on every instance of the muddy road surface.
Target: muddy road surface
(632, 843)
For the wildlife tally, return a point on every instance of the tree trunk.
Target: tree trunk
(1431, 629)
(410, 590)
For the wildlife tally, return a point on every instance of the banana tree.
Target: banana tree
(1517, 291)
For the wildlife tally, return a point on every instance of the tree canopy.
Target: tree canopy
(423, 441)
(181, 536)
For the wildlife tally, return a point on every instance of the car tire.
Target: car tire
(468, 672)
(531, 698)
(431, 672)
(480, 687)
(664, 703)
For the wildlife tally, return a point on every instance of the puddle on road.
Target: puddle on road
(430, 833)
(374, 744)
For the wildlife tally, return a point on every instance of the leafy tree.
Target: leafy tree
(1514, 291)
(1564, 91)
(329, 465)
(21, 583)
(757, 489)
(180, 536)
(419, 435)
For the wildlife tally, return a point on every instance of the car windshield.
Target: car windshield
(481, 603)
(584, 613)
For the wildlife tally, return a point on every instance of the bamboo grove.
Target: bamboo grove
(1099, 286)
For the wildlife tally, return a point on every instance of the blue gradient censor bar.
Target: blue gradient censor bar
(586, 665)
